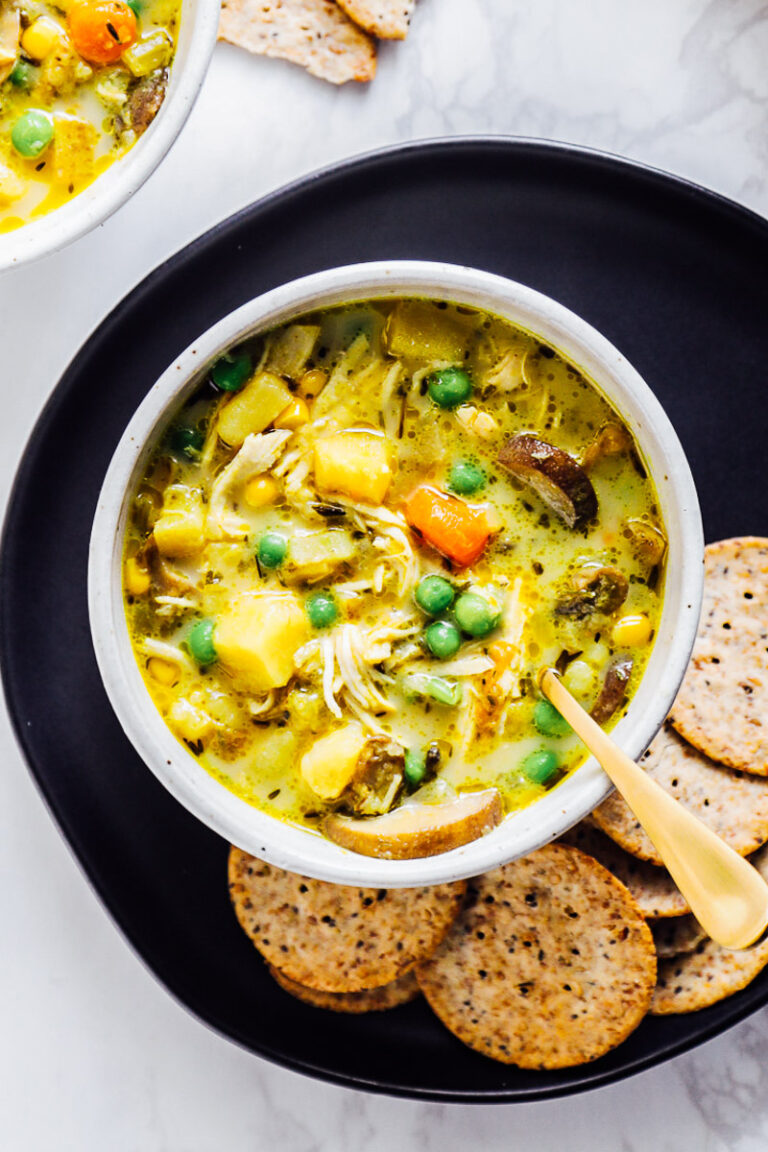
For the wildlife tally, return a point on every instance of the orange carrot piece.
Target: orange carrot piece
(455, 528)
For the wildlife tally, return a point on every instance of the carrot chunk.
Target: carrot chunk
(455, 528)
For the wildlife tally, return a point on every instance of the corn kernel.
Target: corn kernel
(164, 671)
(296, 414)
(137, 579)
(41, 38)
(632, 631)
(260, 491)
(312, 383)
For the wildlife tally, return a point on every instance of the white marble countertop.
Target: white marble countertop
(94, 1054)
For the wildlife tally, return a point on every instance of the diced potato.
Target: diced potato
(477, 422)
(73, 151)
(296, 414)
(318, 554)
(416, 329)
(354, 463)
(271, 758)
(291, 349)
(330, 764)
(152, 50)
(180, 528)
(11, 186)
(188, 721)
(253, 409)
(257, 637)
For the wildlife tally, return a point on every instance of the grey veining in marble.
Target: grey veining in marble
(94, 1055)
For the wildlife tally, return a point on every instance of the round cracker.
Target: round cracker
(732, 804)
(653, 889)
(334, 938)
(549, 964)
(400, 991)
(722, 705)
(676, 935)
(710, 973)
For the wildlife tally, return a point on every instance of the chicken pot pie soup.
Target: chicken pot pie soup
(354, 548)
(80, 82)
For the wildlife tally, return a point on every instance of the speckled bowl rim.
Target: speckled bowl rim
(197, 36)
(306, 852)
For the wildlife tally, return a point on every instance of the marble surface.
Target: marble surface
(94, 1055)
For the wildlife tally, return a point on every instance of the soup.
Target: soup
(356, 545)
(80, 82)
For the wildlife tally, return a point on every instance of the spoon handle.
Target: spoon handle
(728, 897)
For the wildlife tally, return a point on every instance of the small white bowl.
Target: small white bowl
(197, 36)
(306, 852)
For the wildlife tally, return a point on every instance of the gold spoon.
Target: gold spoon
(728, 897)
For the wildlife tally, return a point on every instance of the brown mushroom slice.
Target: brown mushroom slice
(614, 690)
(610, 440)
(648, 541)
(601, 590)
(417, 830)
(378, 777)
(555, 476)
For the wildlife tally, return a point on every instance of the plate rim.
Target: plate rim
(587, 1080)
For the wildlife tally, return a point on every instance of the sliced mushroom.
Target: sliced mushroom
(614, 690)
(648, 541)
(610, 440)
(594, 590)
(146, 100)
(378, 777)
(413, 831)
(165, 578)
(555, 476)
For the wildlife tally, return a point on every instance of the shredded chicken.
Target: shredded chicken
(165, 651)
(259, 452)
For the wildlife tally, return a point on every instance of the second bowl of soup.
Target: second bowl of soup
(342, 536)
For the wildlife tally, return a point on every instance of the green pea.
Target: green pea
(231, 371)
(465, 478)
(474, 615)
(136, 6)
(434, 594)
(200, 641)
(540, 766)
(23, 74)
(272, 549)
(32, 133)
(322, 610)
(548, 720)
(443, 639)
(186, 442)
(415, 769)
(449, 387)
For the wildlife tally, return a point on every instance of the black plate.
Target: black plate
(676, 277)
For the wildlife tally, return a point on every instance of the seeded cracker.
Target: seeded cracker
(400, 991)
(732, 804)
(653, 888)
(334, 938)
(710, 973)
(722, 706)
(676, 935)
(549, 964)
(313, 33)
(388, 19)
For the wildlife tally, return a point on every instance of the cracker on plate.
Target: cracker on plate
(313, 33)
(332, 937)
(549, 964)
(653, 888)
(400, 991)
(722, 705)
(676, 935)
(388, 19)
(709, 973)
(732, 804)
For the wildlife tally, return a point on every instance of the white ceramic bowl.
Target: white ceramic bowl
(196, 40)
(306, 852)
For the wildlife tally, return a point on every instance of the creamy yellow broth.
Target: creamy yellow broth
(97, 110)
(196, 533)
